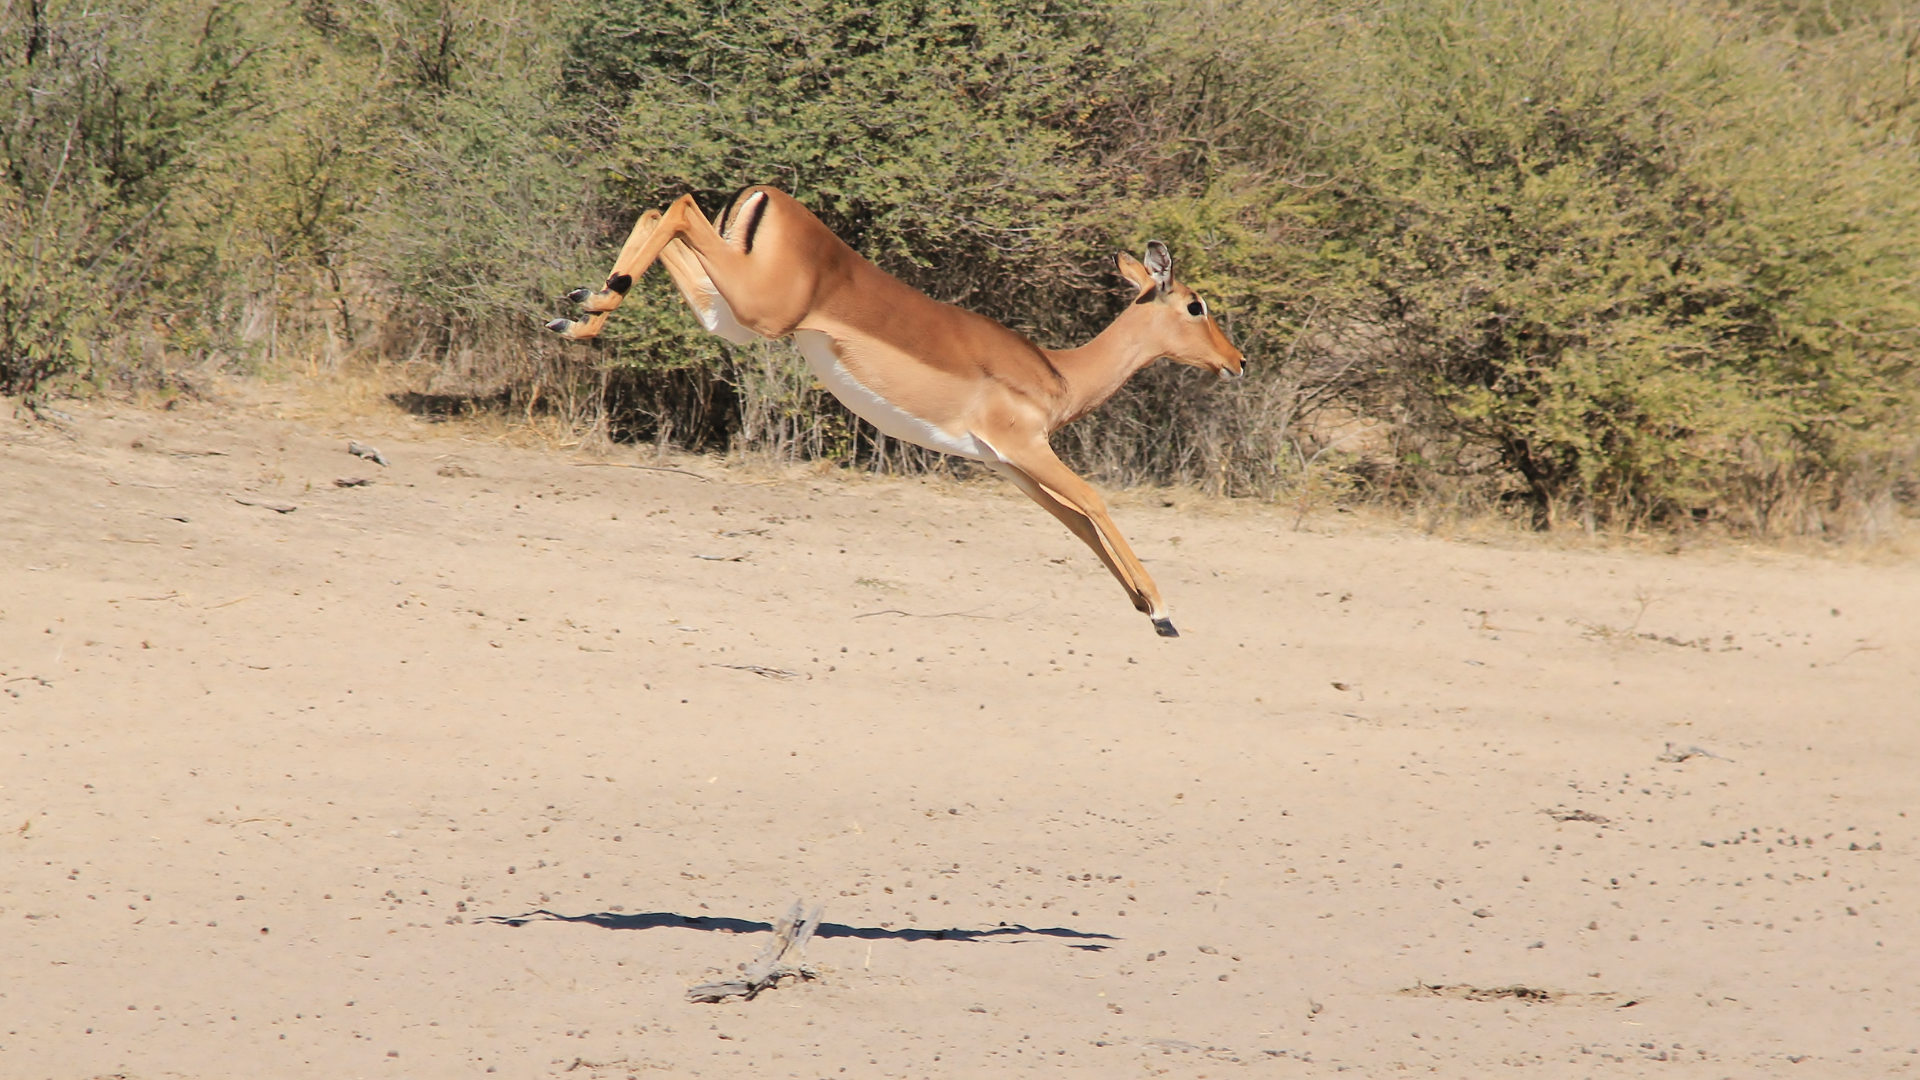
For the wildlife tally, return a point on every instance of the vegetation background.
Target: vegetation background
(1627, 265)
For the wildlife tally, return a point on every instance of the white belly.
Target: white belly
(892, 420)
(719, 318)
(690, 275)
(717, 315)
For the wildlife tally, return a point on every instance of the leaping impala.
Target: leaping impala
(919, 370)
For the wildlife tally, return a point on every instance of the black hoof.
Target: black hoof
(1164, 627)
(620, 283)
(560, 326)
(579, 295)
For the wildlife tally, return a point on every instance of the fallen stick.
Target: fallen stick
(1675, 753)
(769, 672)
(911, 615)
(790, 935)
(42, 412)
(649, 468)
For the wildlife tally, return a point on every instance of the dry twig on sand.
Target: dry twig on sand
(1563, 815)
(42, 412)
(911, 615)
(764, 971)
(1517, 992)
(648, 468)
(1675, 754)
(769, 672)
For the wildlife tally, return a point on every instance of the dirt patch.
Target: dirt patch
(481, 765)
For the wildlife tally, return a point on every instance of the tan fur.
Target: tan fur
(962, 373)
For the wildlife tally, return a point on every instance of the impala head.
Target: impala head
(1178, 322)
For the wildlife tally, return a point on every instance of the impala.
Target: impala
(919, 370)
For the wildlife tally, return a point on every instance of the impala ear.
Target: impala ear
(1160, 264)
(1139, 276)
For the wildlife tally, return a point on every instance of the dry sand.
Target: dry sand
(475, 769)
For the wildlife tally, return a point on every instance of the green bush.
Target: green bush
(1637, 264)
(948, 142)
(1613, 246)
(113, 125)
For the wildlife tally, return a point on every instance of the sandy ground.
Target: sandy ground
(475, 769)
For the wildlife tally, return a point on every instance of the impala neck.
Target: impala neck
(1096, 370)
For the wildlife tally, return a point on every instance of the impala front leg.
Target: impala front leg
(1047, 481)
(1076, 522)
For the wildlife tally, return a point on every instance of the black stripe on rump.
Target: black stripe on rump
(726, 222)
(756, 211)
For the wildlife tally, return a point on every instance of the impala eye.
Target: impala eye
(1196, 309)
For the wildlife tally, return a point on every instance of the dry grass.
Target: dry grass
(799, 432)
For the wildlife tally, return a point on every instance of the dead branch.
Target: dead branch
(911, 615)
(1675, 754)
(771, 673)
(790, 935)
(648, 468)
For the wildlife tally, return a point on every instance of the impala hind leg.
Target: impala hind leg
(599, 305)
(1047, 481)
(651, 234)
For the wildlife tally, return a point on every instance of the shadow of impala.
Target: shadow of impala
(654, 920)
